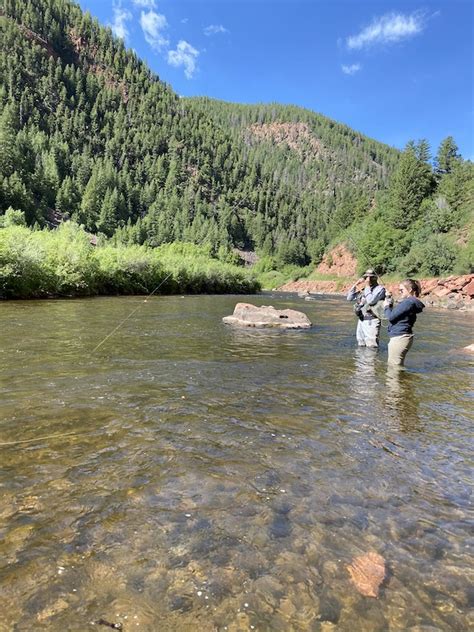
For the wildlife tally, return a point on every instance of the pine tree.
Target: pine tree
(410, 184)
(8, 147)
(447, 156)
(107, 221)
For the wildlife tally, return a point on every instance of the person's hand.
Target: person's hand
(388, 302)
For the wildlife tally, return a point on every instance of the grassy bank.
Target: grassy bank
(276, 277)
(63, 262)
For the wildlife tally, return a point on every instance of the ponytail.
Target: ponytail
(413, 286)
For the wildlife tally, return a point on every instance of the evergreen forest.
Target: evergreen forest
(91, 136)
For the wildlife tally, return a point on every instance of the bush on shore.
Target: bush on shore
(64, 262)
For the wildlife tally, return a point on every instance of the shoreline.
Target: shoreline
(452, 292)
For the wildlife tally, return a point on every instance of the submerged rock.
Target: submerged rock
(248, 315)
(367, 572)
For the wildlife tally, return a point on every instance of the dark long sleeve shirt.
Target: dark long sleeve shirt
(402, 316)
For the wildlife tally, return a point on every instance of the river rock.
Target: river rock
(367, 573)
(248, 315)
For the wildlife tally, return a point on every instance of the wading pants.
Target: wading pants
(398, 347)
(368, 333)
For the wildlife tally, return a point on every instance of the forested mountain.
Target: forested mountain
(89, 132)
(316, 176)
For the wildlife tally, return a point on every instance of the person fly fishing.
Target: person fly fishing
(367, 292)
(401, 319)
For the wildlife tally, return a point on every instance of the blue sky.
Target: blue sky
(394, 71)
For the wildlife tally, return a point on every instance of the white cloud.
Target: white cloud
(145, 4)
(184, 55)
(387, 29)
(214, 29)
(351, 70)
(119, 26)
(153, 24)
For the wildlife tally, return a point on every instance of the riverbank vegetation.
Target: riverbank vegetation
(64, 263)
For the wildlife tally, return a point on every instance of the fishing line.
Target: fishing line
(56, 436)
(131, 313)
(109, 335)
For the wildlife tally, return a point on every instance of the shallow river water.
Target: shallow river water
(192, 476)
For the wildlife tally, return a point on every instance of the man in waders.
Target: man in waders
(367, 292)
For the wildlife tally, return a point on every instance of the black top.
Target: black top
(402, 317)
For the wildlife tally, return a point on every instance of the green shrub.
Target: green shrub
(128, 269)
(436, 256)
(22, 273)
(63, 262)
(465, 260)
(69, 260)
(12, 218)
(264, 264)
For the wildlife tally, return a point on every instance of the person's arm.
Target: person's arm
(395, 313)
(376, 295)
(354, 291)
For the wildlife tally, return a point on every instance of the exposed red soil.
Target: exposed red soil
(339, 262)
(454, 292)
(297, 136)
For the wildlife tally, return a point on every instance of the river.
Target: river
(192, 476)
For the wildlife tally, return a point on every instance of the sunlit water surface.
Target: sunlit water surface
(192, 476)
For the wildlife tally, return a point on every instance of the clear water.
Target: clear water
(191, 476)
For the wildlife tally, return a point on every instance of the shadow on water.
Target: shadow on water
(191, 475)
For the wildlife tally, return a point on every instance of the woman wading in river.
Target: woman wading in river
(401, 319)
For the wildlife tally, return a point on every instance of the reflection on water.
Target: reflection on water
(194, 476)
(401, 400)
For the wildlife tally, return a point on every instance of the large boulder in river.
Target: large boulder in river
(248, 315)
